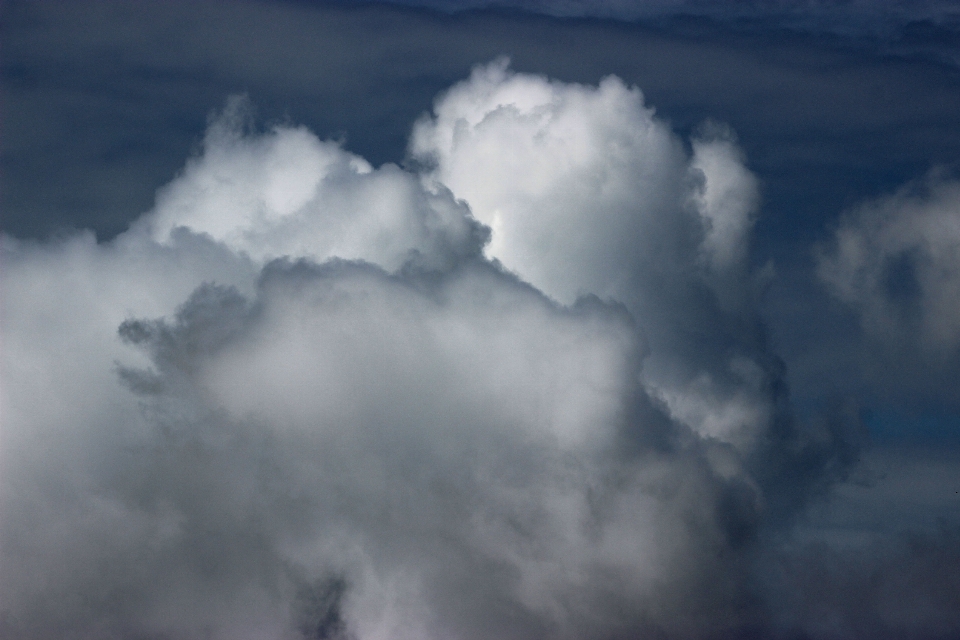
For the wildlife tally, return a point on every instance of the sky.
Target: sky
(453, 319)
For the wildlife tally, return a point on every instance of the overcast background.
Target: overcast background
(846, 115)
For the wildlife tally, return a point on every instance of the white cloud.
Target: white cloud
(727, 199)
(286, 193)
(326, 412)
(577, 183)
(586, 191)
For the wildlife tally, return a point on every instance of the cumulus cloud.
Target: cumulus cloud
(287, 193)
(521, 392)
(586, 191)
(569, 178)
(896, 262)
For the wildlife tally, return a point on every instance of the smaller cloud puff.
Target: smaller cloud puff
(287, 193)
(896, 262)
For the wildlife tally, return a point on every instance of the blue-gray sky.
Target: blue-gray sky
(648, 319)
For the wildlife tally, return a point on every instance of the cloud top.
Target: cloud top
(287, 193)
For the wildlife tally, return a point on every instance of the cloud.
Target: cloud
(896, 262)
(586, 191)
(727, 199)
(530, 156)
(286, 193)
(520, 392)
(447, 445)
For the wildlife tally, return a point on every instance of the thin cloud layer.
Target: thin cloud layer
(522, 392)
(871, 18)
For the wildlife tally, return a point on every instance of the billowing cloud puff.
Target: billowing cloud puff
(586, 191)
(575, 182)
(423, 438)
(896, 261)
(582, 186)
(287, 193)
(297, 399)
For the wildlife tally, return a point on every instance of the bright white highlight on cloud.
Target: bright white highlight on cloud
(727, 199)
(586, 191)
(896, 260)
(577, 183)
(582, 186)
(297, 399)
